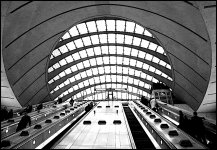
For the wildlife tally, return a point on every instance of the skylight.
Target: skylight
(116, 53)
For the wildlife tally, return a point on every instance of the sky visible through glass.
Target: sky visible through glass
(102, 54)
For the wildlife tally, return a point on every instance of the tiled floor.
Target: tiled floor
(96, 136)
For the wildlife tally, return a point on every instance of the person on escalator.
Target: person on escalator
(39, 107)
(60, 100)
(71, 102)
(181, 120)
(153, 104)
(198, 127)
(25, 120)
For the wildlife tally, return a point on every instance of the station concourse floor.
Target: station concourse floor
(95, 136)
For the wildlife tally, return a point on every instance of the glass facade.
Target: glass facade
(106, 53)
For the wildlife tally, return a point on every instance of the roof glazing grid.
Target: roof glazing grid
(110, 44)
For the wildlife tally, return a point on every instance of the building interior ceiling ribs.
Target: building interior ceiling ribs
(57, 49)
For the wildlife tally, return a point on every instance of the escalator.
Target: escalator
(141, 139)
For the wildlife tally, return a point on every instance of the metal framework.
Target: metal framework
(106, 53)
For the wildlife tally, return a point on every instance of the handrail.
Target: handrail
(209, 125)
(196, 144)
(73, 127)
(24, 140)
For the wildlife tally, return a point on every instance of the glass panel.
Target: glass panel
(111, 38)
(152, 69)
(125, 70)
(80, 65)
(149, 77)
(91, 26)
(86, 41)
(74, 68)
(83, 54)
(103, 38)
(72, 79)
(132, 62)
(154, 80)
(62, 74)
(162, 63)
(63, 49)
(101, 25)
(144, 43)
(148, 33)
(83, 75)
(94, 39)
(73, 31)
(110, 25)
(106, 60)
(62, 62)
(139, 29)
(69, 59)
(86, 63)
(70, 90)
(139, 64)
(119, 50)
(141, 54)
(119, 69)
(128, 39)
(82, 28)
(148, 57)
(99, 60)
(97, 50)
(78, 43)
(134, 52)
(152, 46)
(136, 41)
(93, 62)
(130, 26)
(56, 66)
(107, 69)
(120, 25)
(105, 49)
(127, 51)
(164, 75)
(56, 53)
(145, 66)
(66, 82)
(77, 77)
(158, 71)
(89, 73)
(71, 45)
(113, 60)
(155, 59)
(160, 50)
(120, 38)
(112, 50)
(126, 61)
(76, 56)
(168, 66)
(119, 60)
(50, 69)
(90, 52)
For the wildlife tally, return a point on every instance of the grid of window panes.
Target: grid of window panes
(108, 56)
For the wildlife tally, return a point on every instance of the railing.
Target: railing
(163, 136)
(38, 136)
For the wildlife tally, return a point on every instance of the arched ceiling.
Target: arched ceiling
(98, 49)
(32, 30)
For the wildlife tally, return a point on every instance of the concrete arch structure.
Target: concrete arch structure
(32, 29)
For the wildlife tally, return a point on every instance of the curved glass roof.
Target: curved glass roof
(107, 53)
